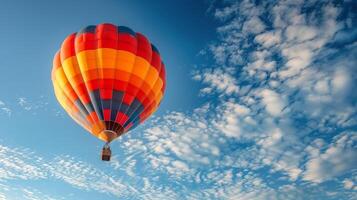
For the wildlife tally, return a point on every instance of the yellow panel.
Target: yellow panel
(158, 98)
(141, 67)
(90, 75)
(60, 97)
(62, 82)
(87, 60)
(61, 77)
(157, 87)
(125, 61)
(106, 57)
(152, 76)
(65, 103)
(70, 67)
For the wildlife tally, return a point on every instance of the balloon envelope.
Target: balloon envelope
(108, 78)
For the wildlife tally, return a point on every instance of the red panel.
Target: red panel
(127, 42)
(141, 96)
(85, 41)
(119, 85)
(56, 64)
(121, 118)
(131, 89)
(111, 35)
(145, 88)
(93, 85)
(71, 94)
(67, 48)
(106, 93)
(107, 36)
(162, 72)
(81, 91)
(156, 61)
(106, 113)
(144, 47)
(106, 31)
(107, 44)
(107, 83)
(88, 41)
(128, 99)
(57, 61)
(149, 98)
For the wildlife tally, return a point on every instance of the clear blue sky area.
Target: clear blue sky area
(260, 103)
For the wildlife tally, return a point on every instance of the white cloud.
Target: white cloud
(28, 193)
(336, 160)
(5, 109)
(19, 164)
(84, 176)
(232, 119)
(218, 80)
(253, 25)
(269, 38)
(22, 164)
(340, 81)
(24, 103)
(349, 184)
(300, 33)
(226, 12)
(34, 194)
(273, 102)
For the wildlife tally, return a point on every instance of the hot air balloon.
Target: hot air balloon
(109, 79)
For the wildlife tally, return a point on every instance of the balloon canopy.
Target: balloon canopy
(109, 79)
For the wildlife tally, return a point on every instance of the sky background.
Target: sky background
(261, 103)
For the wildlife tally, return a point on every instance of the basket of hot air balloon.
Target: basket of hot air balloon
(109, 79)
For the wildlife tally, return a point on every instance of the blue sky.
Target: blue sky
(260, 103)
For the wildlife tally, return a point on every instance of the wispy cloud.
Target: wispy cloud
(27, 193)
(34, 194)
(217, 80)
(5, 109)
(18, 164)
(29, 105)
(34, 105)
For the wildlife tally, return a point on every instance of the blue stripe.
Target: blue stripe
(88, 29)
(97, 103)
(115, 105)
(154, 49)
(82, 109)
(124, 29)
